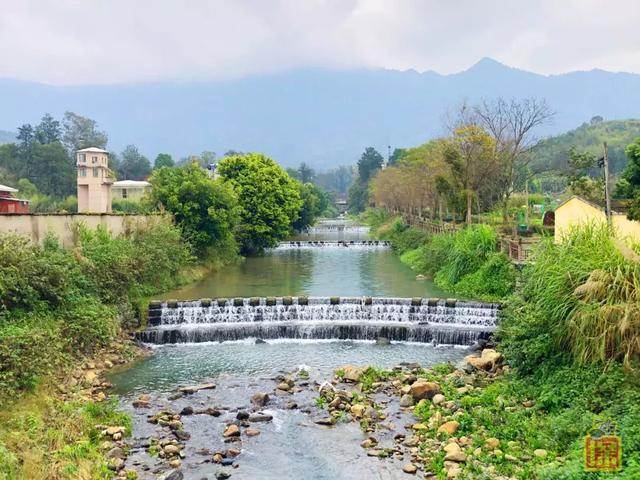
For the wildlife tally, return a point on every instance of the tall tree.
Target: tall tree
(133, 165)
(269, 200)
(512, 123)
(48, 130)
(472, 157)
(163, 160)
(370, 162)
(81, 132)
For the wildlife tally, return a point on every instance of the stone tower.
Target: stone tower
(94, 180)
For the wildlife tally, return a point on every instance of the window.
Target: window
(124, 193)
(94, 159)
(82, 172)
(82, 158)
(95, 171)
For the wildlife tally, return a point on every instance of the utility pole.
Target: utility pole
(607, 198)
(388, 154)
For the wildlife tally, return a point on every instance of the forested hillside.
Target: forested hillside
(553, 153)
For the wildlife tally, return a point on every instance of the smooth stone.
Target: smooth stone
(437, 399)
(196, 388)
(188, 410)
(449, 428)
(540, 452)
(423, 389)
(406, 400)
(410, 468)
(242, 415)
(260, 399)
(260, 417)
(252, 432)
(232, 430)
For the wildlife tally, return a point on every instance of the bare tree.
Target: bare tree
(512, 124)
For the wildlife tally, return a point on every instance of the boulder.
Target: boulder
(252, 432)
(232, 430)
(327, 421)
(540, 452)
(171, 449)
(406, 400)
(188, 410)
(454, 453)
(492, 443)
(284, 386)
(242, 415)
(260, 417)
(449, 428)
(410, 468)
(357, 410)
(437, 399)
(422, 389)
(486, 361)
(352, 374)
(260, 399)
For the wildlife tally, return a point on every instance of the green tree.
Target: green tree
(269, 200)
(81, 132)
(629, 185)
(48, 130)
(133, 165)
(163, 160)
(315, 203)
(206, 210)
(370, 162)
(358, 197)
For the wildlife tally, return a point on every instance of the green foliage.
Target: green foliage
(81, 132)
(314, 202)
(206, 210)
(465, 262)
(163, 160)
(553, 153)
(629, 184)
(133, 165)
(370, 162)
(269, 200)
(580, 301)
(129, 206)
(57, 304)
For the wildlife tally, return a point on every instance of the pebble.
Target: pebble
(410, 468)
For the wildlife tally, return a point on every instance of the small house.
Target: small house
(94, 180)
(579, 211)
(9, 204)
(132, 190)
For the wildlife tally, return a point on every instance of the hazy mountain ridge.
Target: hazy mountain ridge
(322, 117)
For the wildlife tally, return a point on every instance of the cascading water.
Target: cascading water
(353, 244)
(450, 322)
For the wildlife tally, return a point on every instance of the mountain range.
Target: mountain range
(322, 117)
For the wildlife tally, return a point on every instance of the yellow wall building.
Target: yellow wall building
(578, 211)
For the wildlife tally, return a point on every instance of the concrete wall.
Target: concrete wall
(36, 226)
(578, 212)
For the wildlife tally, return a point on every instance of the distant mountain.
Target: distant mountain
(7, 137)
(553, 153)
(322, 117)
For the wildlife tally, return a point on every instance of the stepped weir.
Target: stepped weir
(437, 321)
(353, 244)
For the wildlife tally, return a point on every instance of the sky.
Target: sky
(77, 42)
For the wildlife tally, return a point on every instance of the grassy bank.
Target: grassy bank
(59, 307)
(570, 335)
(465, 262)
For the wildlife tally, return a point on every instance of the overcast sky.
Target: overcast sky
(116, 41)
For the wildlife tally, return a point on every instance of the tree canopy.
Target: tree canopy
(206, 210)
(133, 165)
(163, 160)
(269, 200)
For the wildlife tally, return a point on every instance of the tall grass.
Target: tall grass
(581, 299)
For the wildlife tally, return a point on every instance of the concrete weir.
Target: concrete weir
(427, 320)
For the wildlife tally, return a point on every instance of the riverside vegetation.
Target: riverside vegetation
(570, 335)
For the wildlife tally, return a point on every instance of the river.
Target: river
(241, 368)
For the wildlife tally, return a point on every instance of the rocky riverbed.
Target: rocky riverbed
(363, 422)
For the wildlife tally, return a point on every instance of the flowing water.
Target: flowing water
(320, 300)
